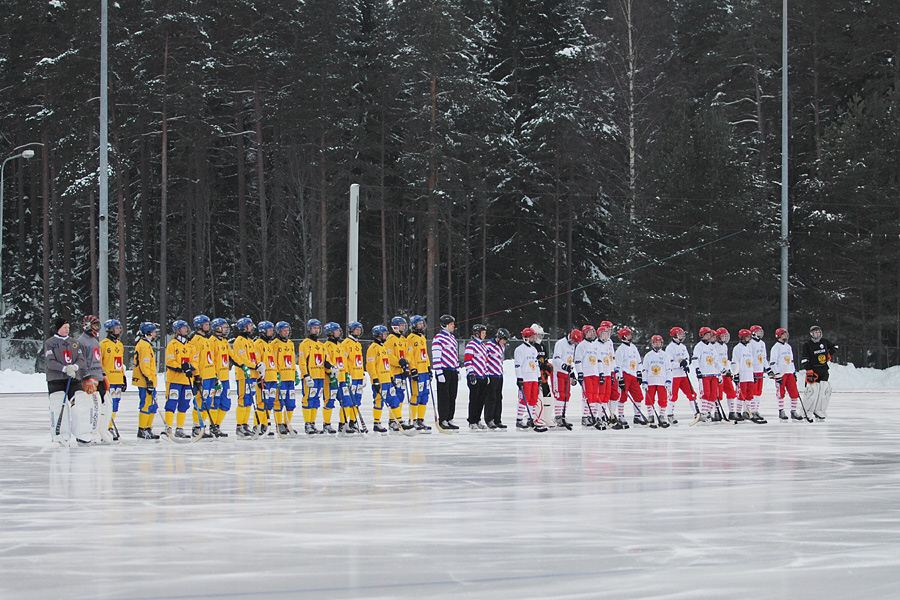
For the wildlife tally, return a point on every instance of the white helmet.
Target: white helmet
(538, 332)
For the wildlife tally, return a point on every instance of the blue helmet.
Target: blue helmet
(415, 320)
(396, 322)
(379, 330)
(146, 328)
(218, 325)
(312, 323)
(111, 323)
(353, 325)
(264, 326)
(199, 320)
(281, 325)
(178, 325)
(243, 323)
(331, 327)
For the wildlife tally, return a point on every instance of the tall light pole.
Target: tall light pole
(103, 286)
(784, 165)
(23, 154)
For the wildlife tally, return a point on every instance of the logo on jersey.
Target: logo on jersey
(633, 365)
(209, 357)
(318, 360)
(97, 354)
(423, 355)
(117, 362)
(655, 369)
(253, 357)
(271, 362)
(288, 361)
(387, 364)
(224, 361)
(340, 362)
(67, 357)
(359, 360)
(709, 360)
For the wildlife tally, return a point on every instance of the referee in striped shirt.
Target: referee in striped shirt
(445, 364)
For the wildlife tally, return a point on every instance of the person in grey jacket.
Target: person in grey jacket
(101, 403)
(70, 410)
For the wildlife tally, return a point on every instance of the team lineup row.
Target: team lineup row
(86, 378)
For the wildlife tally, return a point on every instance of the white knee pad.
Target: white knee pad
(81, 416)
(105, 419)
(59, 417)
(824, 398)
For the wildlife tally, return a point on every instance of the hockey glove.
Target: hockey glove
(736, 378)
(770, 373)
(778, 379)
(261, 382)
(404, 364)
(644, 387)
(89, 386)
(572, 377)
(188, 369)
(684, 364)
(441, 378)
(622, 384)
(308, 381)
(151, 391)
(472, 379)
(198, 383)
(334, 383)
(811, 377)
(520, 383)
(70, 370)
(566, 367)
(125, 385)
(581, 379)
(699, 374)
(218, 387)
(296, 377)
(414, 373)
(640, 378)
(246, 371)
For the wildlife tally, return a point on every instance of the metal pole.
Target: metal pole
(2, 307)
(104, 168)
(353, 256)
(784, 166)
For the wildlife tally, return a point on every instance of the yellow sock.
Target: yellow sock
(397, 414)
(263, 417)
(180, 420)
(279, 417)
(376, 414)
(112, 420)
(288, 416)
(326, 415)
(342, 416)
(170, 416)
(306, 415)
(196, 416)
(150, 419)
(312, 414)
(142, 420)
(220, 416)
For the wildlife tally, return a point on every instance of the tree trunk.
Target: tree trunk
(630, 75)
(323, 231)
(263, 209)
(243, 266)
(144, 207)
(432, 276)
(120, 229)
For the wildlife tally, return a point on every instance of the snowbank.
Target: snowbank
(843, 377)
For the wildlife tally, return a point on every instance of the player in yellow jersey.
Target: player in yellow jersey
(179, 375)
(337, 383)
(112, 359)
(287, 370)
(144, 378)
(268, 377)
(204, 380)
(222, 359)
(384, 391)
(419, 372)
(357, 370)
(311, 361)
(243, 354)
(397, 346)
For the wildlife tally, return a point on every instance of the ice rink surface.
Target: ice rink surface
(783, 510)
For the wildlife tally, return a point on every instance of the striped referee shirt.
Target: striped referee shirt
(494, 358)
(476, 358)
(444, 352)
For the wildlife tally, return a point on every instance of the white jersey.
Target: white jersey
(742, 361)
(564, 354)
(758, 347)
(606, 352)
(657, 368)
(706, 359)
(678, 352)
(781, 359)
(587, 359)
(526, 360)
(628, 359)
(722, 355)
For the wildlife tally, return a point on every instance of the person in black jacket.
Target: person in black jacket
(815, 354)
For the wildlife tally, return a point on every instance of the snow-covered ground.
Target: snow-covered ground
(783, 510)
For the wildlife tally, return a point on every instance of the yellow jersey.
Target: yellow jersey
(204, 354)
(178, 354)
(112, 359)
(144, 363)
(284, 358)
(244, 355)
(266, 355)
(378, 364)
(334, 355)
(397, 348)
(417, 352)
(311, 358)
(353, 352)
(221, 357)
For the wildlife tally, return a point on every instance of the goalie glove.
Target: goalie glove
(811, 376)
(89, 386)
(70, 370)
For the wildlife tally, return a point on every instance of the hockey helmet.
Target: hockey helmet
(108, 325)
(178, 325)
(624, 332)
(398, 325)
(147, 328)
(576, 335)
(477, 329)
(280, 326)
(705, 331)
(200, 320)
(313, 323)
(90, 324)
(756, 330)
(780, 332)
(378, 331)
(538, 331)
(219, 325)
(815, 333)
(527, 333)
(331, 327)
(415, 321)
(501, 334)
(744, 333)
(265, 326)
(244, 324)
(656, 342)
(353, 326)
(447, 319)
(675, 332)
(588, 333)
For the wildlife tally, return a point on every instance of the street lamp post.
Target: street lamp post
(23, 154)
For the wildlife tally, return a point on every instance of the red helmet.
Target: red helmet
(755, 328)
(704, 330)
(527, 332)
(675, 331)
(656, 338)
(623, 332)
(587, 328)
(606, 325)
(744, 333)
(780, 331)
(722, 331)
(576, 336)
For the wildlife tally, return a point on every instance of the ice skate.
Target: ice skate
(421, 427)
(179, 433)
(327, 428)
(782, 415)
(587, 422)
(377, 427)
(394, 426)
(561, 422)
(639, 419)
(757, 418)
(796, 416)
(652, 422)
(499, 425)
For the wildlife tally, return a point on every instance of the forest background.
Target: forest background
(508, 151)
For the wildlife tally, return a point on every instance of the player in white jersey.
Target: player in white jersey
(564, 377)
(681, 369)
(528, 375)
(709, 374)
(657, 381)
(760, 362)
(587, 370)
(726, 390)
(742, 370)
(609, 389)
(629, 367)
(784, 372)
